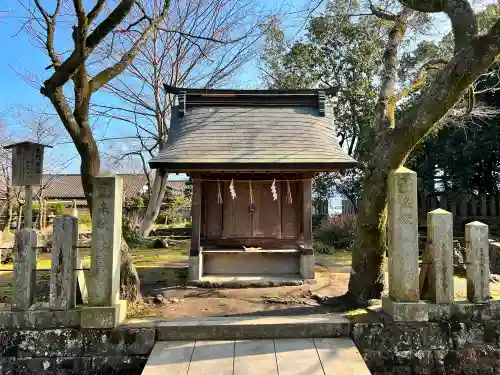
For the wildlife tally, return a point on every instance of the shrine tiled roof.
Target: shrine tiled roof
(255, 131)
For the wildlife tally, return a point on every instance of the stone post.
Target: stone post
(104, 283)
(23, 294)
(64, 256)
(404, 295)
(440, 247)
(105, 309)
(403, 235)
(477, 258)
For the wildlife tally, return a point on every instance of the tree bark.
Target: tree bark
(367, 273)
(129, 278)
(19, 217)
(9, 210)
(154, 205)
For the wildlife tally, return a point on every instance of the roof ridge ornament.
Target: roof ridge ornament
(322, 103)
(181, 97)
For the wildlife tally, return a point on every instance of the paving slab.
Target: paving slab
(212, 357)
(297, 357)
(245, 328)
(255, 357)
(170, 357)
(340, 356)
(307, 356)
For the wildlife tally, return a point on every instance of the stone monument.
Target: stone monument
(105, 308)
(23, 294)
(478, 264)
(440, 256)
(404, 295)
(64, 256)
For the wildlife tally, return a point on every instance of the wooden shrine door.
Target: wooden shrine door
(242, 219)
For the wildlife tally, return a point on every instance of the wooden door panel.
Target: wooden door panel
(290, 219)
(237, 220)
(212, 210)
(267, 222)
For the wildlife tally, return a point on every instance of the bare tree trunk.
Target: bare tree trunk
(129, 279)
(154, 205)
(40, 212)
(9, 213)
(19, 218)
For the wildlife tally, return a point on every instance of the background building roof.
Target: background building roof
(69, 186)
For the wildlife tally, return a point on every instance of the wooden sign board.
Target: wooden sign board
(27, 163)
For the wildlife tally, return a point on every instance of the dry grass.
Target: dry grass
(149, 257)
(141, 310)
(341, 258)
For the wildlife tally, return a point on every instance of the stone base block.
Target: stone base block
(439, 311)
(406, 311)
(492, 310)
(40, 319)
(307, 266)
(466, 311)
(195, 268)
(103, 316)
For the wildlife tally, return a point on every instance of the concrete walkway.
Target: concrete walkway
(303, 356)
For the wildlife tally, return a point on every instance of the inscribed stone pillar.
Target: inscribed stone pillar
(403, 236)
(440, 247)
(477, 258)
(106, 240)
(23, 293)
(64, 256)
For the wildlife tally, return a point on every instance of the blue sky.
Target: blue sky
(20, 100)
(22, 71)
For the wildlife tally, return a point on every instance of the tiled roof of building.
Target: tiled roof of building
(254, 131)
(69, 186)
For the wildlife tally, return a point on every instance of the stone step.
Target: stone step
(311, 356)
(237, 328)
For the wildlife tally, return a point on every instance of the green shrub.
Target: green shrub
(336, 231)
(85, 220)
(56, 208)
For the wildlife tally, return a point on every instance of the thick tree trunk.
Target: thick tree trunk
(90, 166)
(129, 279)
(367, 274)
(154, 205)
(8, 220)
(19, 217)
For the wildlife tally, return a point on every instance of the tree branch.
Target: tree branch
(94, 12)
(200, 37)
(447, 87)
(420, 81)
(382, 14)
(73, 62)
(460, 12)
(111, 72)
(50, 22)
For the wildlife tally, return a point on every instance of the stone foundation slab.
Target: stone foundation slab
(406, 311)
(103, 316)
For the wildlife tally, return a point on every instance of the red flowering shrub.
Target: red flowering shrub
(335, 231)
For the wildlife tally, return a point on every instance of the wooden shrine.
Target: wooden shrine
(251, 155)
